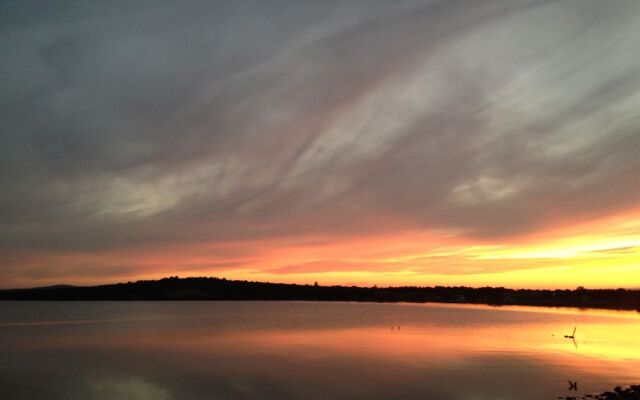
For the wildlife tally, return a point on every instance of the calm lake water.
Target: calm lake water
(310, 350)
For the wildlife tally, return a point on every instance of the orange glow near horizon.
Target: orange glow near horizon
(603, 254)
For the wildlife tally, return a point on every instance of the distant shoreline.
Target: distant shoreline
(222, 289)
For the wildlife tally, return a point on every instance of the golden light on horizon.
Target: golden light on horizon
(600, 254)
(415, 158)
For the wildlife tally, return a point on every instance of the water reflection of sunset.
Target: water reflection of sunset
(603, 337)
(405, 150)
(331, 347)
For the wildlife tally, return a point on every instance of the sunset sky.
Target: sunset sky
(431, 142)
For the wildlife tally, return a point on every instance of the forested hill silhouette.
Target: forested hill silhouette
(175, 288)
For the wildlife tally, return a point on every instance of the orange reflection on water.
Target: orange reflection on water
(417, 347)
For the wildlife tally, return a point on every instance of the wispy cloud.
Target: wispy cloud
(143, 126)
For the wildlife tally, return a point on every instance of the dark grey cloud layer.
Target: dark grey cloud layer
(144, 123)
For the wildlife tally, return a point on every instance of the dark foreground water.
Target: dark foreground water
(308, 350)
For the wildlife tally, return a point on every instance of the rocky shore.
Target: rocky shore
(630, 393)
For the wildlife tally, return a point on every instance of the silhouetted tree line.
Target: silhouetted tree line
(175, 288)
